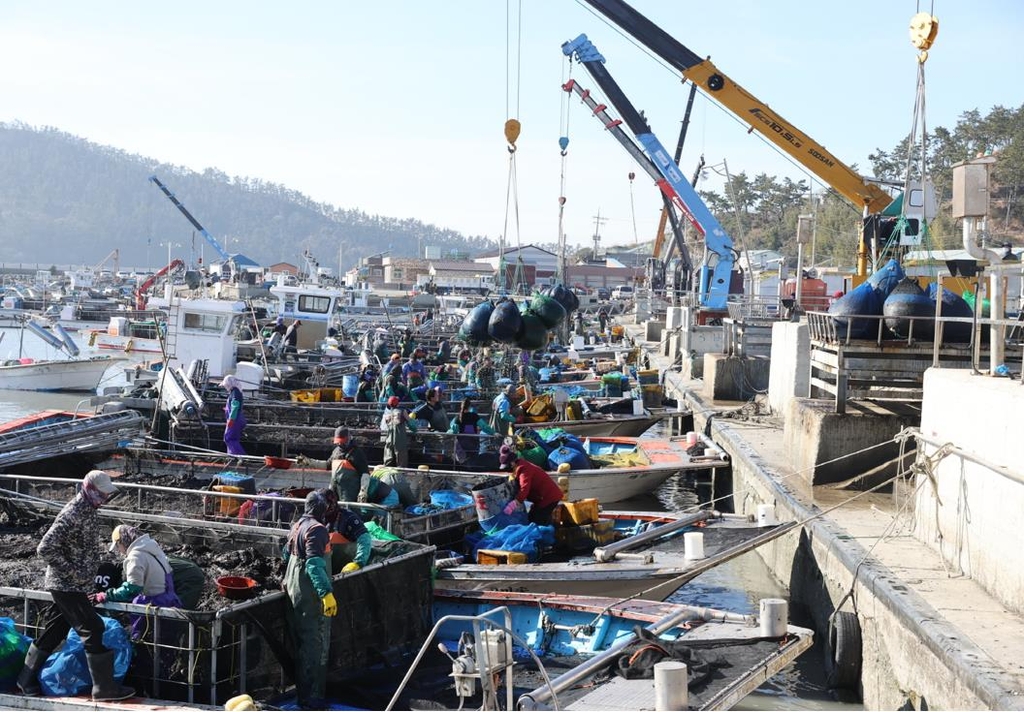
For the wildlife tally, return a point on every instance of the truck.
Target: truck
(715, 283)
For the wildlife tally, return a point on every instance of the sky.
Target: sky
(397, 107)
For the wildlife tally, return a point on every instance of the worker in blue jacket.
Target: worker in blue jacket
(307, 581)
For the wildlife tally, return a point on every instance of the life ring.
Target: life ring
(129, 345)
(92, 338)
(844, 656)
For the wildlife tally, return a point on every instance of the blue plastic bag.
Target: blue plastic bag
(66, 672)
(13, 646)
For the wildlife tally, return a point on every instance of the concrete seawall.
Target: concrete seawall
(928, 639)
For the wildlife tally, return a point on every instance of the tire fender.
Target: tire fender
(843, 653)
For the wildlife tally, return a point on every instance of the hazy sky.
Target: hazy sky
(397, 107)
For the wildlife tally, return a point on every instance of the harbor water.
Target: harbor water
(738, 585)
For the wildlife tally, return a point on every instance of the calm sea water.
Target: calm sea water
(736, 586)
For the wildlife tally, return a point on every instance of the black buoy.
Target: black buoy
(905, 301)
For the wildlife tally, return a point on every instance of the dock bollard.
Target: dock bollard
(671, 690)
(693, 545)
(774, 617)
(766, 515)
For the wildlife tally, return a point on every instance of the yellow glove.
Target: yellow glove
(330, 605)
(350, 567)
(412, 416)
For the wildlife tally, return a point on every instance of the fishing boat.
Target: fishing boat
(621, 468)
(645, 555)
(235, 640)
(73, 374)
(579, 642)
(129, 335)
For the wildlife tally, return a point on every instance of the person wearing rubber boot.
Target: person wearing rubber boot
(71, 550)
(307, 581)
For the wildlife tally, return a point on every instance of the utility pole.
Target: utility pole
(598, 222)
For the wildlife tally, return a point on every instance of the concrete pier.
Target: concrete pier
(928, 571)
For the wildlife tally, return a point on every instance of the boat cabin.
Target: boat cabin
(317, 307)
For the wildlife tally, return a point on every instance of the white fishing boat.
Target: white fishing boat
(68, 374)
(55, 375)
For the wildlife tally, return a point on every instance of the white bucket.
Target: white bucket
(693, 545)
(774, 613)
(691, 439)
(638, 407)
(250, 374)
(766, 515)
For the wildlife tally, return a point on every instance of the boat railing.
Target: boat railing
(489, 660)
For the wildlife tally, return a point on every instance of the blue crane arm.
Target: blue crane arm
(715, 279)
(195, 223)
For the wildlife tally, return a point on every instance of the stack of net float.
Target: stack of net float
(527, 329)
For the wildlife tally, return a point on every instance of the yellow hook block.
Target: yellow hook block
(923, 29)
(512, 128)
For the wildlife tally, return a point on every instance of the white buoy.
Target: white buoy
(671, 686)
(774, 617)
(693, 545)
(766, 515)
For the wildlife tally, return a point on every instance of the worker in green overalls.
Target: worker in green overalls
(307, 581)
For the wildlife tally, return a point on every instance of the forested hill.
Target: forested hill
(64, 200)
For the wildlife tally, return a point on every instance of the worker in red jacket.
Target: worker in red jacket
(534, 484)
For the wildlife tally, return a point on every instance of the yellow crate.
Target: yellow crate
(497, 557)
(305, 396)
(582, 511)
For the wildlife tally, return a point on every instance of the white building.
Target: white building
(545, 262)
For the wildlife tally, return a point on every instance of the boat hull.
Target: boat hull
(73, 375)
(652, 570)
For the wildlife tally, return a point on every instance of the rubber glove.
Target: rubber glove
(350, 567)
(98, 597)
(301, 459)
(362, 496)
(510, 507)
(330, 605)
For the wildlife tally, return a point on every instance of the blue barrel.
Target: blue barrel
(350, 385)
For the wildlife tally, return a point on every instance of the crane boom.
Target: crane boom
(715, 279)
(758, 115)
(195, 223)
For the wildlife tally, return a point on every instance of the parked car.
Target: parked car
(604, 294)
(623, 292)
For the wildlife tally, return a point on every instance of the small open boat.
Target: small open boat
(645, 555)
(581, 641)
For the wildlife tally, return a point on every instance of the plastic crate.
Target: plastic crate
(305, 396)
(497, 557)
(582, 511)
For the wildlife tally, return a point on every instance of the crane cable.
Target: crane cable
(563, 146)
(924, 27)
(512, 129)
